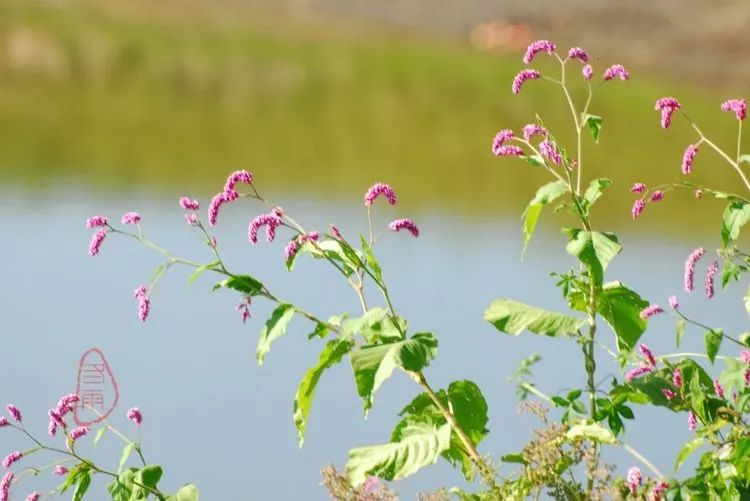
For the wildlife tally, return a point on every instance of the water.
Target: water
(216, 419)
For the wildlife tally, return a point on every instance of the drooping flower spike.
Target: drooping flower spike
(646, 352)
(690, 268)
(634, 479)
(61, 470)
(667, 106)
(386, 190)
(404, 224)
(130, 218)
(532, 130)
(498, 142)
(5, 486)
(638, 207)
(509, 150)
(587, 72)
(271, 221)
(677, 377)
(668, 394)
(638, 188)
(238, 176)
(674, 303)
(96, 221)
(578, 53)
(134, 414)
(189, 204)
(11, 458)
(688, 158)
(615, 71)
(96, 242)
(217, 201)
(713, 268)
(657, 196)
(656, 492)
(77, 433)
(636, 372)
(550, 152)
(14, 412)
(536, 47)
(651, 310)
(522, 77)
(718, 388)
(738, 106)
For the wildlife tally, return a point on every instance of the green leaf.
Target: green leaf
(187, 492)
(679, 331)
(331, 355)
(687, 450)
(335, 250)
(371, 261)
(99, 434)
(373, 364)
(420, 445)
(593, 249)
(121, 488)
(736, 215)
(321, 330)
(713, 342)
(275, 328)
(149, 475)
(535, 160)
(594, 123)
(514, 458)
(594, 191)
(84, 480)
(126, 451)
(513, 318)
(200, 269)
(592, 431)
(544, 195)
(242, 283)
(74, 476)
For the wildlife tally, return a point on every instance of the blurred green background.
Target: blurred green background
(323, 98)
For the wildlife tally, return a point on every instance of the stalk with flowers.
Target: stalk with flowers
(564, 458)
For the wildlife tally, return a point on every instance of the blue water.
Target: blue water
(216, 419)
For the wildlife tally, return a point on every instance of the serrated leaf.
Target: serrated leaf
(373, 364)
(594, 124)
(512, 317)
(331, 355)
(242, 283)
(200, 269)
(736, 215)
(544, 195)
(713, 342)
(679, 331)
(419, 446)
(275, 328)
(593, 249)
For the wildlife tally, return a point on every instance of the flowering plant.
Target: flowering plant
(564, 458)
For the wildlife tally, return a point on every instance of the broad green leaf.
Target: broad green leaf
(373, 364)
(594, 191)
(513, 318)
(200, 269)
(84, 480)
(687, 450)
(149, 475)
(331, 355)
(544, 195)
(335, 250)
(713, 342)
(242, 283)
(99, 434)
(187, 492)
(593, 249)
(733, 377)
(372, 263)
(321, 330)
(126, 451)
(594, 123)
(121, 488)
(736, 215)
(275, 328)
(592, 431)
(679, 331)
(373, 326)
(420, 445)
(74, 476)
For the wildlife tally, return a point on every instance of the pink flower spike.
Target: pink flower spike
(238, 176)
(135, 415)
(536, 47)
(669, 394)
(745, 356)
(718, 389)
(4, 421)
(688, 158)
(96, 242)
(384, 189)
(522, 76)
(216, 202)
(144, 308)
(587, 72)
(657, 196)
(578, 53)
(500, 139)
(677, 377)
(674, 303)
(651, 310)
(713, 268)
(634, 479)
(646, 352)
(738, 106)
(690, 267)
(638, 371)
(77, 433)
(692, 421)
(5, 486)
(61, 470)
(638, 188)
(14, 412)
(67, 401)
(532, 130)
(11, 458)
(509, 150)
(667, 106)
(656, 492)
(271, 221)
(616, 70)
(336, 233)
(191, 219)
(52, 428)
(56, 417)
(131, 218)
(638, 207)
(189, 204)
(34, 496)
(404, 224)
(96, 221)
(550, 152)
(291, 249)
(746, 375)
(140, 292)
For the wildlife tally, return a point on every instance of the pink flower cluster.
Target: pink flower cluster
(522, 77)
(634, 479)
(295, 243)
(141, 294)
(190, 205)
(131, 218)
(738, 106)
(656, 492)
(384, 189)
(57, 414)
(77, 433)
(404, 224)
(550, 152)
(12, 458)
(5, 486)
(688, 158)
(644, 368)
(616, 71)
(651, 310)
(536, 47)
(134, 414)
(713, 268)
(271, 221)
(244, 308)
(690, 263)
(531, 130)
(228, 195)
(578, 53)
(718, 389)
(667, 106)
(499, 148)
(14, 413)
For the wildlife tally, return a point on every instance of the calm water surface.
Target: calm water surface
(212, 416)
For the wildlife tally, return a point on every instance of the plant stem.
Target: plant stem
(642, 459)
(735, 164)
